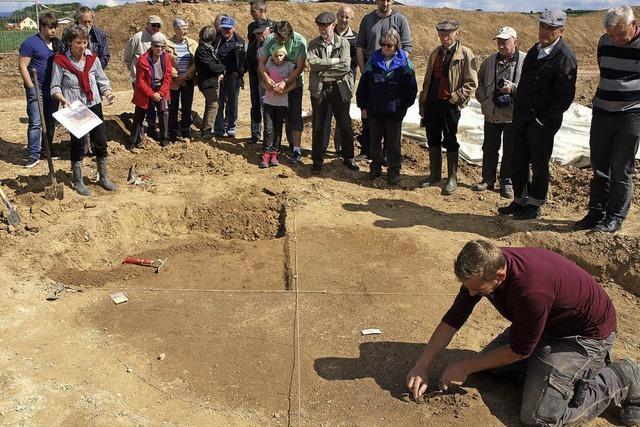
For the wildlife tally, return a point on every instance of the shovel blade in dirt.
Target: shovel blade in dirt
(54, 191)
(12, 216)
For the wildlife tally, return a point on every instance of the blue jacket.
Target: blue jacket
(387, 92)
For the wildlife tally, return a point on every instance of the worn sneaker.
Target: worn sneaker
(506, 191)
(273, 161)
(608, 225)
(295, 157)
(266, 156)
(589, 221)
(31, 162)
(483, 186)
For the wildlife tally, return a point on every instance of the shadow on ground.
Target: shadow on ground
(389, 362)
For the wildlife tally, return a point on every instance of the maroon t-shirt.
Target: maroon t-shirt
(543, 293)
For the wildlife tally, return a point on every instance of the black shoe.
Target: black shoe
(590, 220)
(254, 139)
(375, 173)
(351, 164)
(528, 212)
(510, 209)
(173, 138)
(608, 225)
(393, 178)
(164, 142)
(316, 168)
(186, 133)
(151, 133)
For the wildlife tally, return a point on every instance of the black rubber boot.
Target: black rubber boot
(78, 183)
(435, 167)
(452, 174)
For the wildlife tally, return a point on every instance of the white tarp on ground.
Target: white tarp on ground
(571, 142)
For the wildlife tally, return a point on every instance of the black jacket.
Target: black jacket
(547, 86)
(239, 51)
(251, 62)
(208, 66)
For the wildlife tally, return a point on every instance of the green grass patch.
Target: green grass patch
(10, 41)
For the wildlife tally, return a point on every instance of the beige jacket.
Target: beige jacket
(463, 76)
(335, 67)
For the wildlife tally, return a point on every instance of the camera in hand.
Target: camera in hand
(501, 100)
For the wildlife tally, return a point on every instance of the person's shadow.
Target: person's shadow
(389, 362)
(405, 214)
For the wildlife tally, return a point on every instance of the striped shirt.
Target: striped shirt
(619, 86)
(183, 55)
(65, 82)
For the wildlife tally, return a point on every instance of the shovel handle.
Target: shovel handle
(43, 128)
(5, 199)
(139, 261)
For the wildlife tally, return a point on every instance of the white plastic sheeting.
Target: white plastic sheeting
(571, 145)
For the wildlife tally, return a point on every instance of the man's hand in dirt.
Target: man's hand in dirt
(455, 374)
(157, 97)
(417, 381)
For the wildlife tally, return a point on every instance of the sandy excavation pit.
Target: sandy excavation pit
(239, 242)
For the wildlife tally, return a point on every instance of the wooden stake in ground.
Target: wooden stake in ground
(56, 189)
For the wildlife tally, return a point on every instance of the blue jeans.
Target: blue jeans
(552, 372)
(34, 129)
(227, 117)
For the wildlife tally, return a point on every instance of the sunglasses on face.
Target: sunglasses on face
(156, 25)
(387, 45)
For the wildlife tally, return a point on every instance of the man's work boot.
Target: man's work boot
(608, 225)
(590, 220)
(528, 212)
(506, 189)
(511, 208)
(103, 179)
(435, 167)
(452, 174)
(78, 183)
(628, 371)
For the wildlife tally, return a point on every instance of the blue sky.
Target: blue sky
(497, 5)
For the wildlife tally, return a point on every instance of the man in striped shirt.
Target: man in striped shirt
(615, 126)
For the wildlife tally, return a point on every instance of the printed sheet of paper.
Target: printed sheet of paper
(77, 119)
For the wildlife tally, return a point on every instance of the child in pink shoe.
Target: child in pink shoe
(275, 104)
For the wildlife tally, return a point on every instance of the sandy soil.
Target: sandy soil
(248, 252)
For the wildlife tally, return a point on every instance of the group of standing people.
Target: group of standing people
(523, 95)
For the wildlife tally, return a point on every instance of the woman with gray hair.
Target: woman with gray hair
(209, 70)
(387, 89)
(78, 76)
(183, 52)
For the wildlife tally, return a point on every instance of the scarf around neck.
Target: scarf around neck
(83, 76)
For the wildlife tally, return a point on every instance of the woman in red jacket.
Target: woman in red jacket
(153, 80)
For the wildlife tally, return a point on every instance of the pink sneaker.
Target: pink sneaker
(274, 159)
(265, 160)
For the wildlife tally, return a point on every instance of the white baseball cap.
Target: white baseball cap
(506, 33)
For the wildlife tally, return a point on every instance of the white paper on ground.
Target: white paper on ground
(571, 145)
(371, 331)
(77, 119)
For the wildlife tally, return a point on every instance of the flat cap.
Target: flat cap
(553, 17)
(261, 25)
(448, 25)
(154, 19)
(505, 33)
(325, 18)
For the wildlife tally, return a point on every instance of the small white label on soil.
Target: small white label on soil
(371, 331)
(119, 298)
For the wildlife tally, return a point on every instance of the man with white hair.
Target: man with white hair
(98, 43)
(498, 80)
(615, 126)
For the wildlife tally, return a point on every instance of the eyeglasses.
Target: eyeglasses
(387, 45)
(156, 25)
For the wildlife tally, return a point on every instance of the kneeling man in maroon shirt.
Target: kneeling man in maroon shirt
(562, 329)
